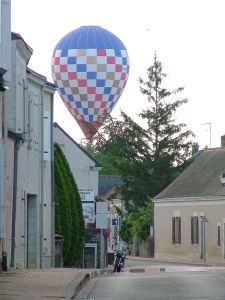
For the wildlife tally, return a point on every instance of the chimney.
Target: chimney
(223, 141)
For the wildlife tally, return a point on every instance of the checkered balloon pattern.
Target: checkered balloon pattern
(90, 68)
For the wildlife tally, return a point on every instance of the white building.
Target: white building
(29, 164)
(5, 63)
(84, 167)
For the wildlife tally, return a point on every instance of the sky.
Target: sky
(187, 35)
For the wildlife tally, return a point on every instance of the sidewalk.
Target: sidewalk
(53, 284)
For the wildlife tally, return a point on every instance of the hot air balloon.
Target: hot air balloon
(90, 68)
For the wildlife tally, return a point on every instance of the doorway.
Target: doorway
(90, 256)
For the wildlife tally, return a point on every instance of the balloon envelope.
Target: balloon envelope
(90, 67)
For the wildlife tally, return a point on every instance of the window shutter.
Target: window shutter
(192, 230)
(173, 230)
(179, 230)
(197, 231)
(218, 236)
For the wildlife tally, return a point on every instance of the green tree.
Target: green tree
(68, 210)
(137, 224)
(147, 157)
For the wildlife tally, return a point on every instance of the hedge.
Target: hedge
(69, 220)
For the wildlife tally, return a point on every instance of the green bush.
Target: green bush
(69, 220)
(137, 224)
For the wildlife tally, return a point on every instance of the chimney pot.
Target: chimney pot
(223, 141)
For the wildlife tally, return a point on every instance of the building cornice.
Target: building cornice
(190, 200)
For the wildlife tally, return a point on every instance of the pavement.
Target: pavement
(53, 283)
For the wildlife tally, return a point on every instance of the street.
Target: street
(144, 280)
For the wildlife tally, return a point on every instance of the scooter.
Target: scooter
(118, 262)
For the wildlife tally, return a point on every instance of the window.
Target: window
(194, 230)
(218, 235)
(176, 230)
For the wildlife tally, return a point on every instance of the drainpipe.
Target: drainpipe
(18, 138)
(52, 190)
(15, 173)
(42, 183)
(3, 136)
(2, 184)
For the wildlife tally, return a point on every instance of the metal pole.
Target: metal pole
(210, 132)
(204, 250)
(202, 247)
(101, 249)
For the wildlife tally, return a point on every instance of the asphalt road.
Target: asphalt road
(143, 281)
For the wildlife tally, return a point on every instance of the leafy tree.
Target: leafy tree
(148, 158)
(137, 224)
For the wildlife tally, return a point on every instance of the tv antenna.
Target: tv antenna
(210, 132)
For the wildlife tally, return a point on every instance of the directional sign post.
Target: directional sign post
(203, 220)
(115, 222)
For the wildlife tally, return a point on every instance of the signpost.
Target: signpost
(203, 220)
(88, 205)
(115, 221)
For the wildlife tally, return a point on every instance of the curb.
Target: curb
(163, 261)
(77, 285)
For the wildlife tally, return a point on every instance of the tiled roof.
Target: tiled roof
(201, 178)
(107, 184)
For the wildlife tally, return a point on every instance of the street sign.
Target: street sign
(88, 205)
(115, 221)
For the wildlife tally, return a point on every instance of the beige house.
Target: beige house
(189, 215)
(29, 210)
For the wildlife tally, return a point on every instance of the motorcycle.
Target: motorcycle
(118, 262)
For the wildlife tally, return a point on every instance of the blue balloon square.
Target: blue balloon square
(111, 105)
(64, 51)
(91, 75)
(71, 98)
(62, 91)
(78, 104)
(85, 110)
(124, 60)
(107, 90)
(72, 60)
(100, 83)
(117, 52)
(111, 97)
(81, 68)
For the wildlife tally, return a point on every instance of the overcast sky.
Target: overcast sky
(187, 35)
